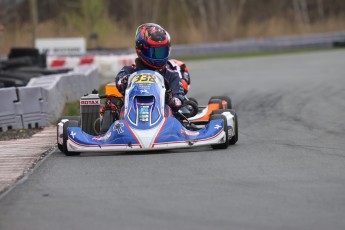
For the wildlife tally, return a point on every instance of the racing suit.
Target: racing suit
(182, 71)
(172, 81)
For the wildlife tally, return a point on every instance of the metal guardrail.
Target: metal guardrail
(260, 44)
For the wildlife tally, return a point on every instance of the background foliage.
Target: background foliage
(188, 21)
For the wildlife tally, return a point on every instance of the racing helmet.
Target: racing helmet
(152, 44)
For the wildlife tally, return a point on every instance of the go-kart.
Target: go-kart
(145, 122)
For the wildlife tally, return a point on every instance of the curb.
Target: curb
(18, 157)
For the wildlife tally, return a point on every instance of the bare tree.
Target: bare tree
(34, 19)
(320, 9)
(301, 13)
(189, 19)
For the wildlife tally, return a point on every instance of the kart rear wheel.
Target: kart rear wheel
(107, 120)
(71, 118)
(226, 99)
(234, 138)
(216, 101)
(226, 143)
(65, 138)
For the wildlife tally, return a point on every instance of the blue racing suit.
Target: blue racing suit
(172, 79)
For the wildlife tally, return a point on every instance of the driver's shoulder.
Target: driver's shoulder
(171, 73)
(129, 69)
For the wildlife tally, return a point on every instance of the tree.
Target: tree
(87, 16)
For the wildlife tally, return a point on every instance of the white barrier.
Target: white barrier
(43, 99)
(32, 107)
(68, 87)
(8, 117)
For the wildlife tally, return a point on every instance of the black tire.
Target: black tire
(225, 98)
(65, 138)
(71, 118)
(234, 139)
(189, 108)
(57, 139)
(217, 101)
(97, 126)
(107, 120)
(89, 116)
(226, 143)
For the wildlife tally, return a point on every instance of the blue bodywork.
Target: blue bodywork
(146, 119)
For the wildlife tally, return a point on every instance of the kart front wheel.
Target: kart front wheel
(66, 125)
(71, 118)
(234, 137)
(225, 128)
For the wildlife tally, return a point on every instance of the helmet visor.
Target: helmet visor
(157, 52)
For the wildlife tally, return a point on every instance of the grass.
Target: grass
(73, 108)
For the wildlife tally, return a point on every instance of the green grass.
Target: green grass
(73, 108)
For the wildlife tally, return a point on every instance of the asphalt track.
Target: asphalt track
(286, 172)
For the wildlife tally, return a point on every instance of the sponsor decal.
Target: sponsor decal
(190, 133)
(90, 102)
(118, 127)
(103, 138)
(144, 91)
(217, 127)
(145, 78)
(73, 134)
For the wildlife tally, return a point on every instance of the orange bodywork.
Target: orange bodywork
(210, 108)
(111, 89)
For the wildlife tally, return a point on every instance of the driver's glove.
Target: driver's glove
(175, 103)
(121, 84)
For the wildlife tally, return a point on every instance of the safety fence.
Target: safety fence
(261, 44)
(43, 99)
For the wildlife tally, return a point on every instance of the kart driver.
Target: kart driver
(152, 45)
(183, 72)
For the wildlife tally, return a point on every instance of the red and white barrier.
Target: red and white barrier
(108, 65)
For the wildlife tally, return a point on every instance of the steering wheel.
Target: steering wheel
(189, 109)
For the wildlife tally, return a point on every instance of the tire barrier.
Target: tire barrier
(43, 99)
